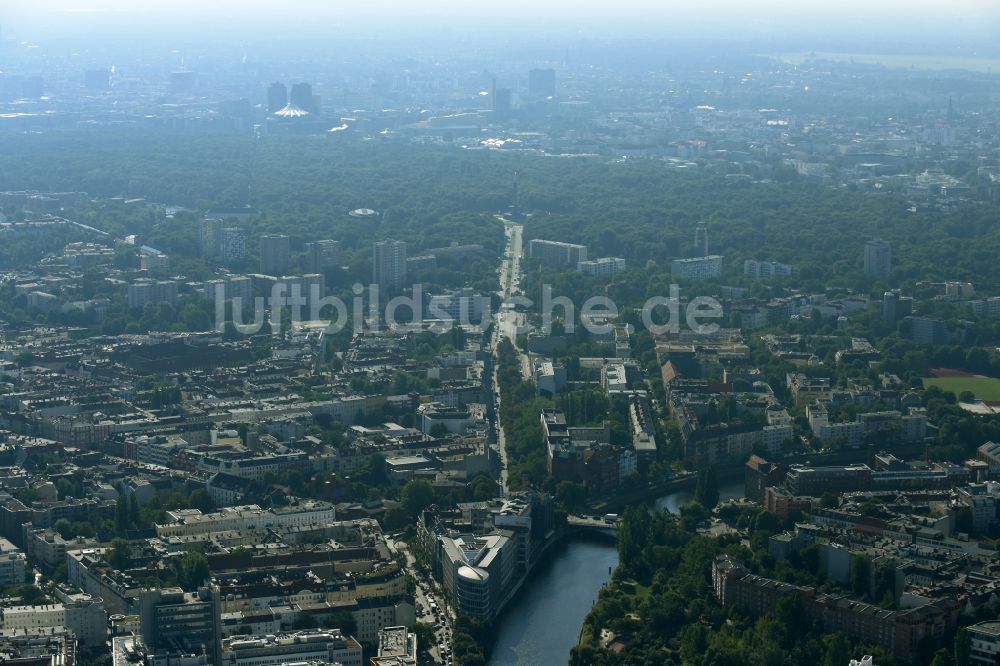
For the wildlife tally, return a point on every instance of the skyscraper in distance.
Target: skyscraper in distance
(389, 264)
(542, 82)
(277, 97)
(301, 96)
(501, 100)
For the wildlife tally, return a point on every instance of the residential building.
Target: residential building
(322, 255)
(989, 307)
(232, 245)
(211, 236)
(550, 378)
(86, 618)
(985, 643)
(815, 481)
(143, 292)
(905, 633)
(759, 475)
(462, 307)
(697, 268)
(602, 266)
(230, 287)
(275, 254)
(185, 522)
(172, 620)
(13, 563)
(328, 646)
(397, 646)
(151, 259)
(765, 269)
(895, 307)
(927, 330)
(389, 264)
(556, 254)
(701, 240)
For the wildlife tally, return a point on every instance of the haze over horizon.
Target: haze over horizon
(966, 28)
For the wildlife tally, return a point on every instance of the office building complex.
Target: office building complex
(556, 254)
(389, 264)
(480, 551)
(878, 258)
(274, 254)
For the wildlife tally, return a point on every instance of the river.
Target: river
(674, 501)
(543, 622)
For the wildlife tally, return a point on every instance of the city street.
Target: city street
(429, 606)
(509, 322)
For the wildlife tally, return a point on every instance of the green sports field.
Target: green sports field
(985, 388)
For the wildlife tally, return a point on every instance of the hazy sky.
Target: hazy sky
(961, 24)
(924, 8)
(901, 9)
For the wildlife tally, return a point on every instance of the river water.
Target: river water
(674, 501)
(543, 623)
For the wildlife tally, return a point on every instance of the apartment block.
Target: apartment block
(697, 268)
(602, 266)
(765, 269)
(556, 254)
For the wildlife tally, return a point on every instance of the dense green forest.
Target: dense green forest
(432, 196)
